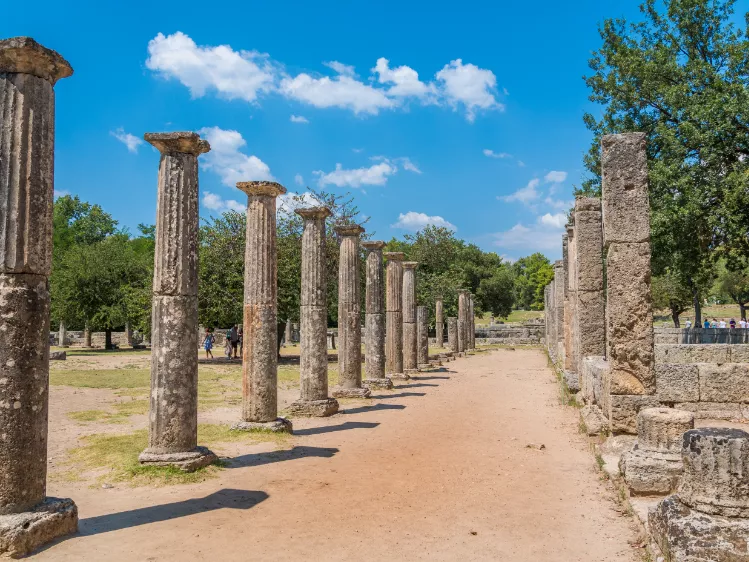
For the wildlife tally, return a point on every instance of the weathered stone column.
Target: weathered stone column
(349, 315)
(28, 73)
(462, 315)
(287, 333)
(452, 333)
(313, 320)
(569, 303)
(422, 336)
(374, 344)
(559, 282)
(472, 323)
(260, 352)
(394, 316)
(173, 413)
(629, 307)
(410, 336)
(439, 323)
(62, 334)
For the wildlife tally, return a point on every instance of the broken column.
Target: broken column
(374, 344)
(708, 517)
(422, 336)
(439, 323)
(260, 332)
(173, 412)
(654, 465)
(462, 315)
(629, 307)
(349, 315)
(394, 316)
(410, 336)
(313, 320)
(28, 73)
(452, 334)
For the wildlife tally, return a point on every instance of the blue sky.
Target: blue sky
(467, 115)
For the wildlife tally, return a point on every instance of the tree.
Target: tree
(735, 284)
(668, 292)
(532, 274)
(495, 292)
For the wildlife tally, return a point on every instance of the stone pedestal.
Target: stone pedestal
(375, 318)
(28, 72)
(410, 335)
(313, 370)
(422, 336)
(260, 350)
(394, 316)
(654, 465)
(349, 315)
(439, 323)
(173, 412)
(708, 517)
(452, 334)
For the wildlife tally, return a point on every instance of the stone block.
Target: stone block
(589, 251)
(591, 325)
(22, 533)
(740, 353)
(279, 425)
(677, 383)
(623, 411)
(594, 420)
(712, 410)
(686, 354)
(186, 461)
(314, 408)
(724, 383)
(649, 473)
(661, 429)
(572, 380)
(58, 355)
(339, 392)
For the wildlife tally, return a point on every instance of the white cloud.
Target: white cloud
(521, 164)
(410, 166)
(416, 221)
(526, 240)
(130, 141)
(404, 79)
(558, 203)
(214, 202)
(557, 220)
(228, 161)
(377, 174)
(232, 74)
(340, 91)
(340, 68)
(298, 179)
(470, 86)
(556, 177)
(525, 195)
(491, 154)
(298, 119)
(288, 202)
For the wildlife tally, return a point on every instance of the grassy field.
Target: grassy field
(725, 311)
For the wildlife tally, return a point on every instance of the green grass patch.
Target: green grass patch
(102, 378)
(88, 415)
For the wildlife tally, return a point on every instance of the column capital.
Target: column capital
(23, 55)
(348, 230)
(394, 256)
(268, 188)
(410, 264)
(372, 245)
(312, 213)
(181, 141)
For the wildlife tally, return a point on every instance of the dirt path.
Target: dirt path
(438, 470)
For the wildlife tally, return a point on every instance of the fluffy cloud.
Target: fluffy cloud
(130, 141)
(416, 221)
(298, 119)
(288, 202)
(410, 166)
(214, 202)
(470, 86)
(524, 240)
(232, 74)
(556, 177)
(227, 159)
(557, 220)
(525, 195)
(339, 91)
(491, 154)
(404, 79)
(298, 179)
(377, 174)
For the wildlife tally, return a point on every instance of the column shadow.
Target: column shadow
(372, 408)
(418, 385)
(332, 428)
(297, 452)
(397, 395)
(430, 378)
(222, 499)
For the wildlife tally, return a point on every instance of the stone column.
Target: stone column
(629, 307)
(349, 315)
(472, 323)
(28, 72)
(173, 413)
(394, 316)
(287, 333)
(313, 319)
(439, 323)
(462, 330)
(260, 351)
(63, 334)
(452, 333)
(410, 336)
(422, 336)
(375, 318)
(86, 335)
(569, 300)
(559, 308)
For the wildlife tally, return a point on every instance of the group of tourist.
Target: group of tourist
(715, 323)
(233, 345)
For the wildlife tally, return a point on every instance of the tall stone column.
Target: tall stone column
(260, 351)
(452, 334)
(559, 308)
(462, 330)
(569, 301)
(173, 413)
(629, 307)
(287, 333)
(349, 315)
(439, 323)
(422, 336)
(410, 336)
(28, 73)
(374, 344)
(313, 319)
(472, 323)
(394, 316)
(63, 334)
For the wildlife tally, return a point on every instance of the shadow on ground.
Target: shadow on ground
(397, 395)
(372, 408)
(340, 427)
(298, 452)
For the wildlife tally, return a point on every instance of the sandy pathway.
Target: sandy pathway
(438, 470)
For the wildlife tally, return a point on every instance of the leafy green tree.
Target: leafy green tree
(669, 293)
(735, 284)
(495, 292)
(532, 274)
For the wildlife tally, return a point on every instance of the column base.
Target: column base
(380, 384)
(650, 472)
(339, 392)
(279, 425)
(314, 408)
(186, 461)
(411, 372)
(398, 376)
(22, 533)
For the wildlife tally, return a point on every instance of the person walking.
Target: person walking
(706, 324)
(688, 324)
(732, 323)
(208, 342)
(722, 323)
(234, 336)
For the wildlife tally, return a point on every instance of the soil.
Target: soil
(448, 466)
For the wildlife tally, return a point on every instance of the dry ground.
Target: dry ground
(438, 469)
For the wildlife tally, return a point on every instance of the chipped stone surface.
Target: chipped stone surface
(594, 420)
(314, 408)
(713, 410)
(724, 383)
(410, 332)
(687, 354)
(279, 425)
(677, 383)
(623, 411)
(410, 349)
(422, 335)
(661, 429)
(349, 318)
(379, 384)
(23, 533)
(394, 313)
(186, 461)
(339, 392)
(180, 142)
(23, 55)
(58, 355)
(439, 322)
(572, 380)
(452, 334)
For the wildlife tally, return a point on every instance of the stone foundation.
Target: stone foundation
(22, 533)
(187, 461)
(380, 384)
(279, 425)
(399, 376)
(339, 392)
(314, 408)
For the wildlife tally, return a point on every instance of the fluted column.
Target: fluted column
(375, 318)
(422, 336)
(394, 316)
(349, 314)
(452, 333)
(439, 323)
(410, 336)
(28, 73)
(313, 319)
(173, 413)
(462, 315)
(260, 352)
